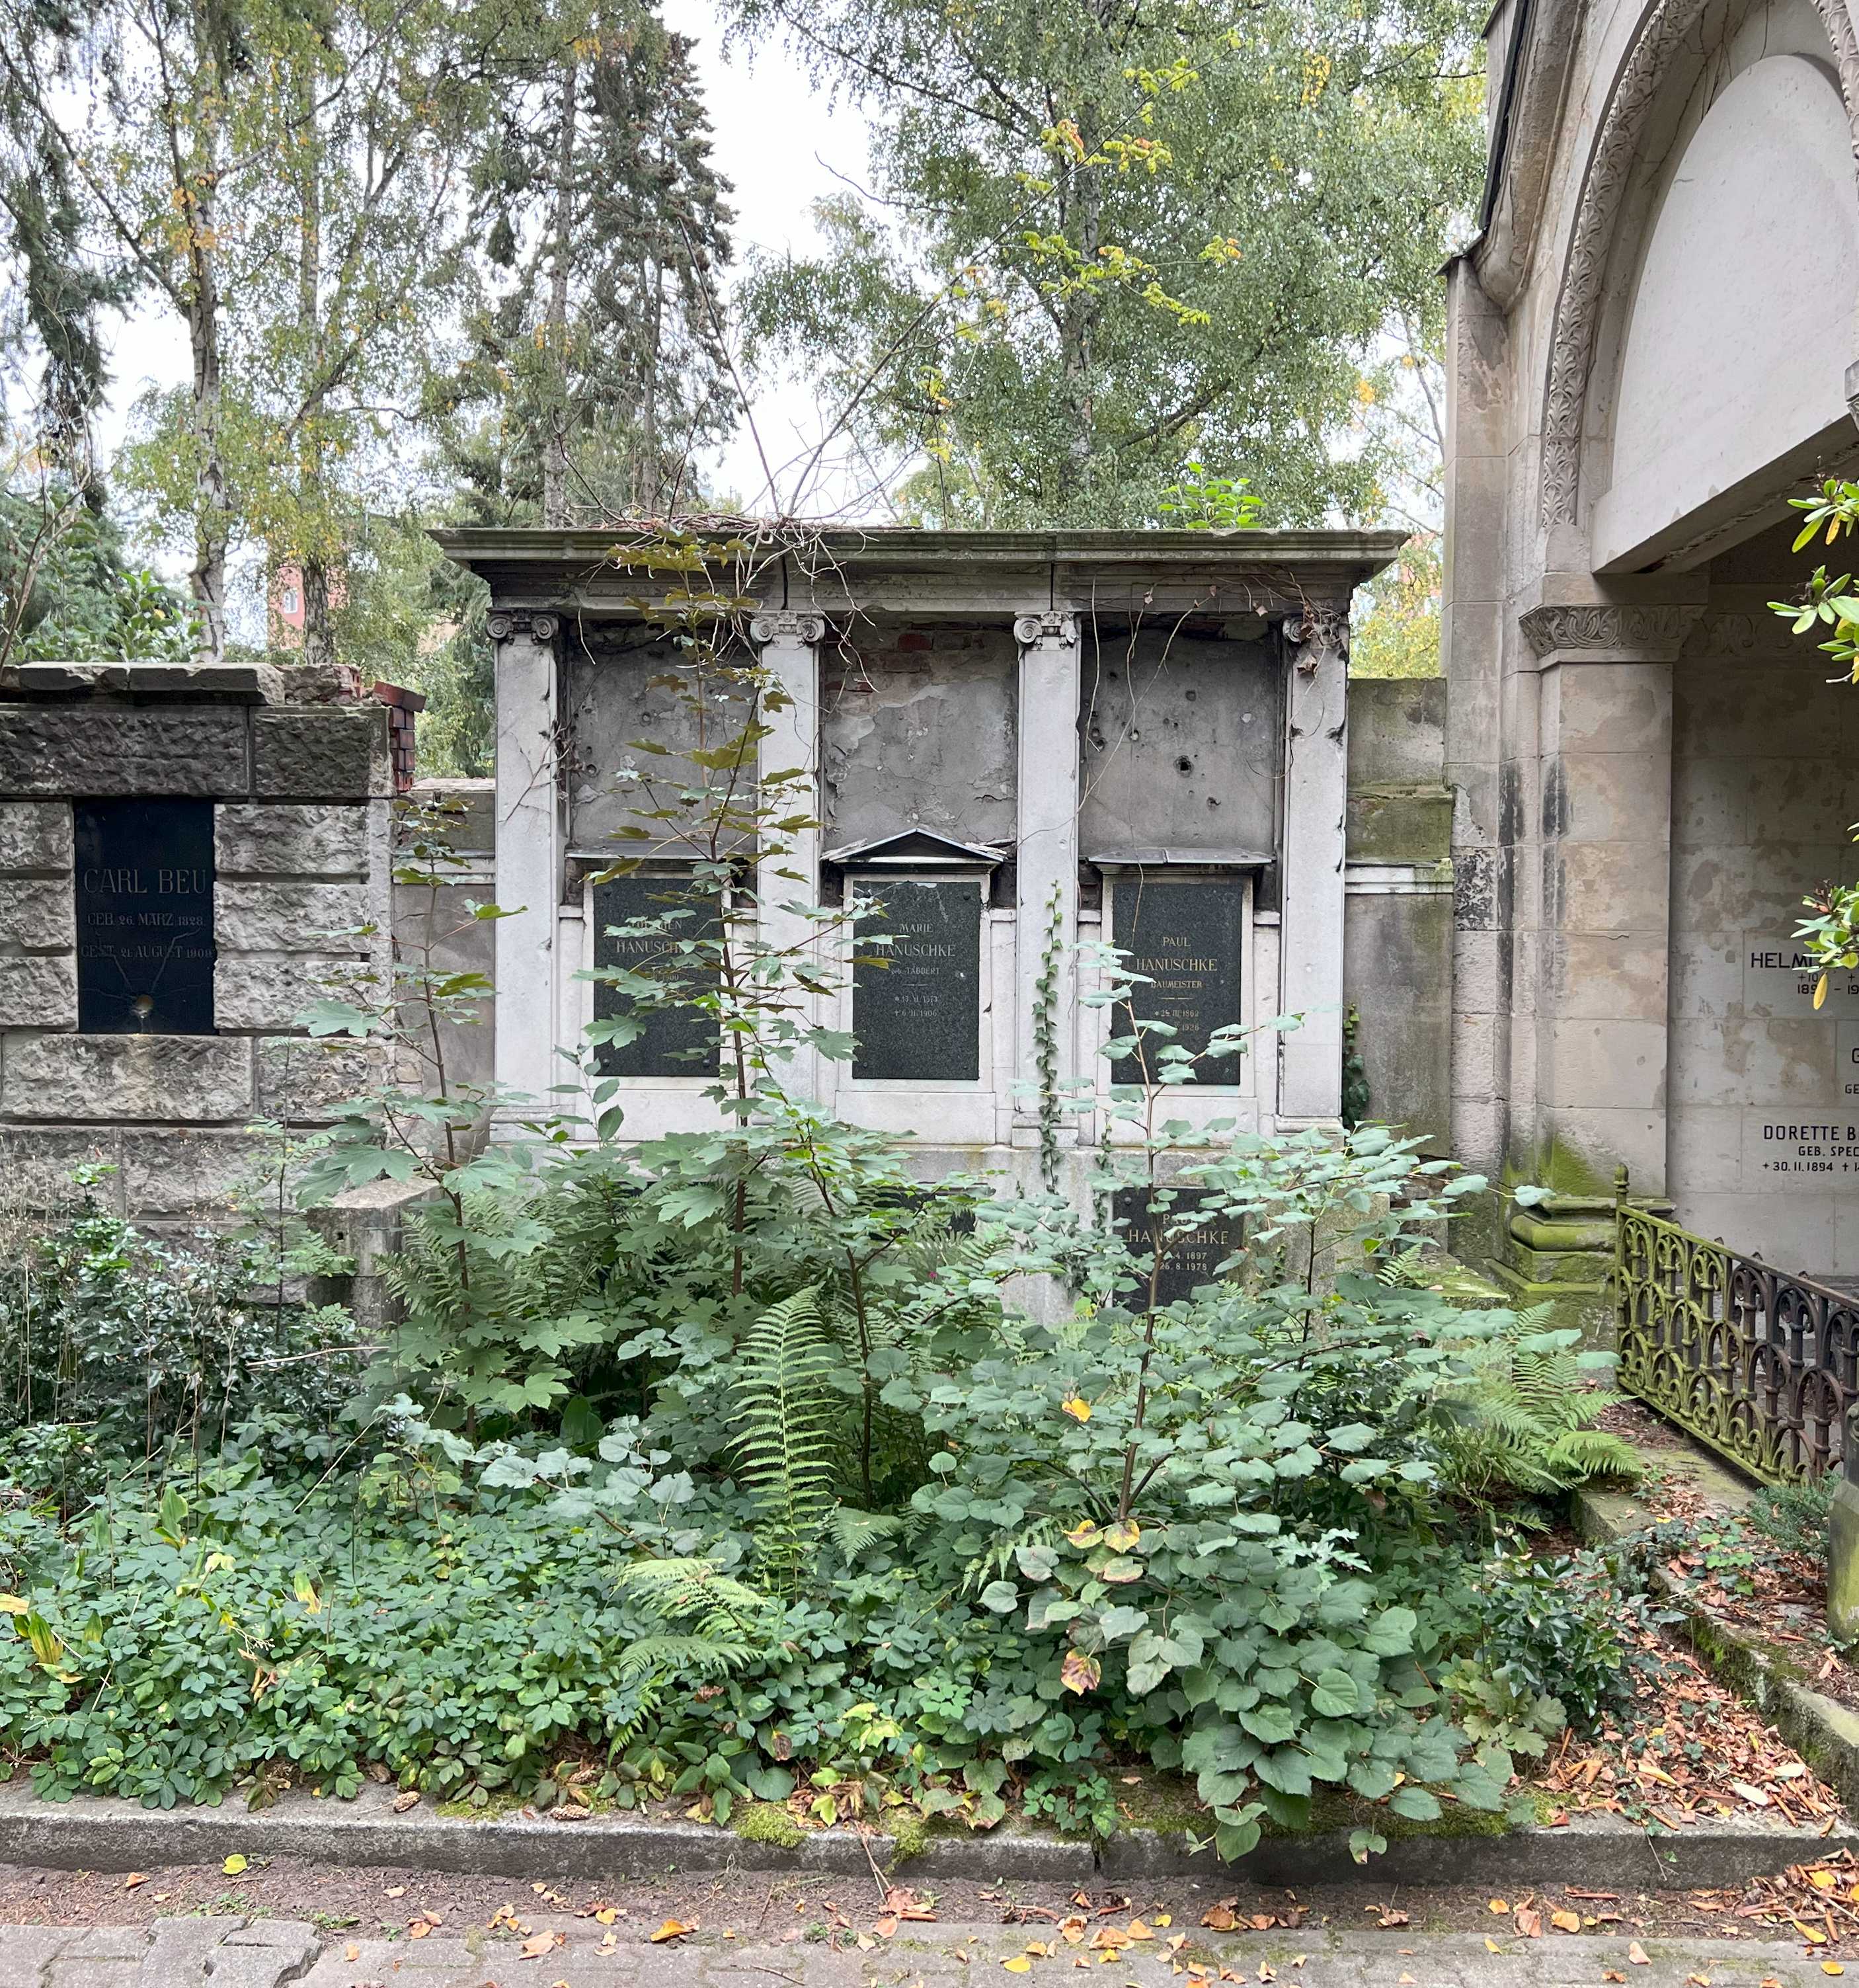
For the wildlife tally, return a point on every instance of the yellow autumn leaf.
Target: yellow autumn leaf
(1831, 1967)
(1501, 1907)
(15, 1605)
(1820, 990)
(233, 1865)
(1566, 1922)
(1077, 1407)
(1019, 1964)
(672, 1929)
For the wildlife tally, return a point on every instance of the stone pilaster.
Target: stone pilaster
(1599, 839)
(1046, 849)
(530, 862)
(787, 882)
(1311, 898)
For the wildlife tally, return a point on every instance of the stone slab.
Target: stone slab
(1186, 938)
(103, 1833)
(304, 1081)
(109, 1078)
(36, 912)
(269, 990)
(330, 756)
(289, 918)
(35, 835)
(187, 1170)
(292, 839)
(101, 749)
(39, 988)
(37, 1162)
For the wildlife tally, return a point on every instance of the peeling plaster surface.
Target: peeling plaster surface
(1181, 741)
(613, 704)
(918, 729)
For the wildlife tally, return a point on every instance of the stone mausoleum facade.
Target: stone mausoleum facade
(1018, 742)
(1651, 348)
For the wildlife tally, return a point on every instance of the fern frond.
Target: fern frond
(788, 1422)
(853, 1531)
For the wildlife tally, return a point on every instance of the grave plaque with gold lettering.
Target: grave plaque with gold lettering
(917, 1015)
(144, 916)
(677, 1040)
(1185, 937)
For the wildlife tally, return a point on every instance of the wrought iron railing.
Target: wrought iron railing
(1759, 1365)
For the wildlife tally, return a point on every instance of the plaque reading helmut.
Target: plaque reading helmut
(917, 1015)
(144, 916)
(1185, 937)
(679, 1040)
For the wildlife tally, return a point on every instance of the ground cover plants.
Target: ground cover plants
(737, 1468)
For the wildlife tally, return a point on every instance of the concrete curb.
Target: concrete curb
(98, 1833)
(1823, 1733)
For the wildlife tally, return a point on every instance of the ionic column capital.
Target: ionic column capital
(1047, 626)
(789, 629)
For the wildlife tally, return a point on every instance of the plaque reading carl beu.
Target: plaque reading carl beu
(1185, 937)
(917, 1015)
(678, 1040)
(144, 916)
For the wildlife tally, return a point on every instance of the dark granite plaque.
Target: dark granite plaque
(144, 916)
(918, 1014)
(1185, 937)
(676, 1041)
(1193, 1260)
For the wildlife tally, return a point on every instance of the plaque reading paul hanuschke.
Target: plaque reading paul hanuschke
(1184, 938)
(144, 916)
(916, 1004)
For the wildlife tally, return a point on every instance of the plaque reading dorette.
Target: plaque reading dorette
(1185, 937)
(918, 1015)
(144, 916)
(675, 1041)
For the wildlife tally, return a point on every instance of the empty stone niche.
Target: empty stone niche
(619, 700)
(1181, 734)
(918, 730)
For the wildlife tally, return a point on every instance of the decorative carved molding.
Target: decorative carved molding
(1318, 628)
(1047, 627)
(1656, 632)
(789, 628)
(1579, 302)
(1738, 637)
(518, 626)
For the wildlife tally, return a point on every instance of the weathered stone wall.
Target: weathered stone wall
(1397, 920)
(433, 924)
(301, 853)
(918, 729)
(1765, 783)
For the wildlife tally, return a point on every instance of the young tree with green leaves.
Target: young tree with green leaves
(1102, 241)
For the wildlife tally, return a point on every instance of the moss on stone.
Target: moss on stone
(767, 1822)
(909, 1834)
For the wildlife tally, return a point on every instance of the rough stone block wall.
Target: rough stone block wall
(301, 891)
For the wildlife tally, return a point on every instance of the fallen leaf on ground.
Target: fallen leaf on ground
(1566, 1922)
(673, 1929)
(351, 1952)
(1636, 1954)
(407, 1798)
(234, 1864)
(1530, 1923)
(134, 1878)
(1501, 1907)
(1831, 1967)
(1019, 1964)
(395, 1891)
(539, 1943)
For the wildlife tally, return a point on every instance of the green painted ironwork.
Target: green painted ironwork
(1760, 1364)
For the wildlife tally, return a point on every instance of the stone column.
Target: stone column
(530, 851)
(787, 886)
(1047, 850)
(1311, 884)
(1599, 839)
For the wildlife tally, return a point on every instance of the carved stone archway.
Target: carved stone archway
(1637, 87)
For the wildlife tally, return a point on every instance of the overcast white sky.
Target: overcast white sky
(776, 139)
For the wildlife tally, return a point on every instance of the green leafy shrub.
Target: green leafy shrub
(1793, 1517)
(1521, 1419)
(1555, 1639)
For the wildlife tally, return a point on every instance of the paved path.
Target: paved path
(218, 1952)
